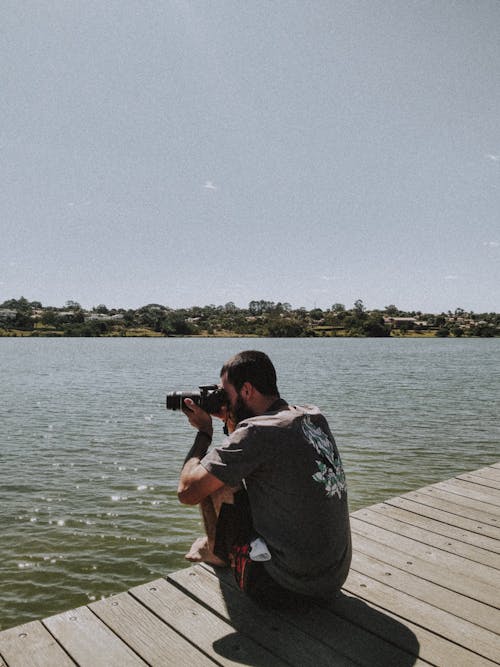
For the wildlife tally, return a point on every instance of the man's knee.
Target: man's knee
(223, 495)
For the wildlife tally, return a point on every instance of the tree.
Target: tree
(129, 318)
(358, 315)
(23, 322)
(457, 331)
(484, 330)
(87, 329)
(22, 305)
(375, 327)
(260, 307)
(359, 307)
(443, 332)
(175, 324)
(392, 310)
(49, 318)
(316, 314)
(285, 327)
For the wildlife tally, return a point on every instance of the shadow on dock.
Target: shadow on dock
(344, 632)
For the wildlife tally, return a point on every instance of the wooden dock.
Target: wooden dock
(424, 589)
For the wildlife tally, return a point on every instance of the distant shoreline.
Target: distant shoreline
(261, 319)
(226, 334)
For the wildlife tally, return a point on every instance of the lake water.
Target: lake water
(90, 457)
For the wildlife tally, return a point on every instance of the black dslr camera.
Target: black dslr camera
(210, 398)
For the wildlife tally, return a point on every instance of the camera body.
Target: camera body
(210, 398)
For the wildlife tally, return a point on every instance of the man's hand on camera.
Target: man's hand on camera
(226, 415)
(197, 417)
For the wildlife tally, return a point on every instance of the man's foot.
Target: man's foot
(200, 552)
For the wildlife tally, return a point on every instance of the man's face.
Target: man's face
(240, 409)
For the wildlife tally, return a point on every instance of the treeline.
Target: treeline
(261, 318)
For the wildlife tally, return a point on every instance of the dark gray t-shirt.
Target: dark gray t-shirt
(297, 490)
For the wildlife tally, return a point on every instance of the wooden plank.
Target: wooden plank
(451, 502)
(470, 531)
(388, 517)
(146, 634)
(452, 516)
(436, 550)
(342, 638)
(266, 627)
(89, 642)
(482, 615)
(458, 631)
(488, 473)
(31, 645)
(474, 491)
(444, 569)
(491, 493)
(213, 636)
(480, 481)
(433, 647)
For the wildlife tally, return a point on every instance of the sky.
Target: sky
(193, 153)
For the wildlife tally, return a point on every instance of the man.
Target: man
(282, 465)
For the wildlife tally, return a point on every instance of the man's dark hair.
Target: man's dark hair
(254, 367)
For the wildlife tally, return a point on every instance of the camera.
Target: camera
(210, 398)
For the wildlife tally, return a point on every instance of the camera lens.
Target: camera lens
(175, 399)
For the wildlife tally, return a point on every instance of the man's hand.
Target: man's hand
(197, 417)
(226, 415)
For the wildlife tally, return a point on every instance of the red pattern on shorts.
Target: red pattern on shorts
(241, 564)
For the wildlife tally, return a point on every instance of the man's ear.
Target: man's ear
(247, 390)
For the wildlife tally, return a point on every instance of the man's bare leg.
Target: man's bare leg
(202, 549)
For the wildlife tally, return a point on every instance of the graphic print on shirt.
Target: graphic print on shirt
(330, 471)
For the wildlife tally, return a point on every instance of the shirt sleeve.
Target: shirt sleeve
(236, 458)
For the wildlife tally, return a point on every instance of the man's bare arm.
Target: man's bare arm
(195, 482)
